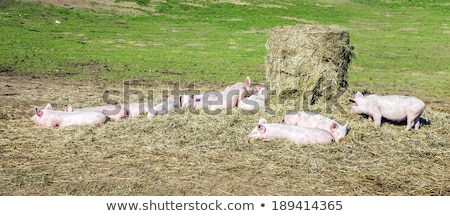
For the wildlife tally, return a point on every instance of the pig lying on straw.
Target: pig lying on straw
(54, 118)
(296, 134)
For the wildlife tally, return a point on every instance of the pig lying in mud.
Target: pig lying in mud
(53, 118)
(114, 112)
(394, 107)
(256, 101)
(313, 120)
(296, 134)
(214, 100)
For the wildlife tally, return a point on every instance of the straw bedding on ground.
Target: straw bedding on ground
(200, 154)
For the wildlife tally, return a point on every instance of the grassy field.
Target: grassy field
(402, 48)
(400, 44)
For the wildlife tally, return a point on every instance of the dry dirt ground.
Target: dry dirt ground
(121, 6)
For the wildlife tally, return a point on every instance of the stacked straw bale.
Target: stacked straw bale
(308, 63)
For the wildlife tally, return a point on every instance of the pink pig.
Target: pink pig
(214, 100)
(162, 108)
(394, 107)
(186, 101)
(192, 101)
(296, 134)
(201, 100)
(52, 118)
(312, 120)
(136, 109)
(114, 112)
(256, 101)
(244, 88)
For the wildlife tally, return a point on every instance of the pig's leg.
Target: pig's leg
(235, 101)
(417, 123)
(377, 119)
(409, 123)
(412, 121)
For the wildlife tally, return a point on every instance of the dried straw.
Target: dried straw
(201, 154)
(308, 62)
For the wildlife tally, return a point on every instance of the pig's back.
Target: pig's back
(81, 118)
(396, 107)
(298, 134)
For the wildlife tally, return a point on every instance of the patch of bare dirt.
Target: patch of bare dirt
(298, 19)
(192, 4)
(120, 6)
(273, 6)
(236, 2)
(409, 29)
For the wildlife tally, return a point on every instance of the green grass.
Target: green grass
(402, 47)
(400, 44)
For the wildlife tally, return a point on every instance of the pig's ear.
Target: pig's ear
(48, 106)
(68, 108)
(346, 125)
(248, 82)
(261, 128)
(262, 121)
(358, 94)
(354, 103)
(334, 126)
(39, 112)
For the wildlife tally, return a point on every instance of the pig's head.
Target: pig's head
(38, 113)
(198, 101)
(291, 118)
(357, 103)
(261, 92)
(256, 90)
(259, 130)
(338, 131)
(186, 101)
(38, 116)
